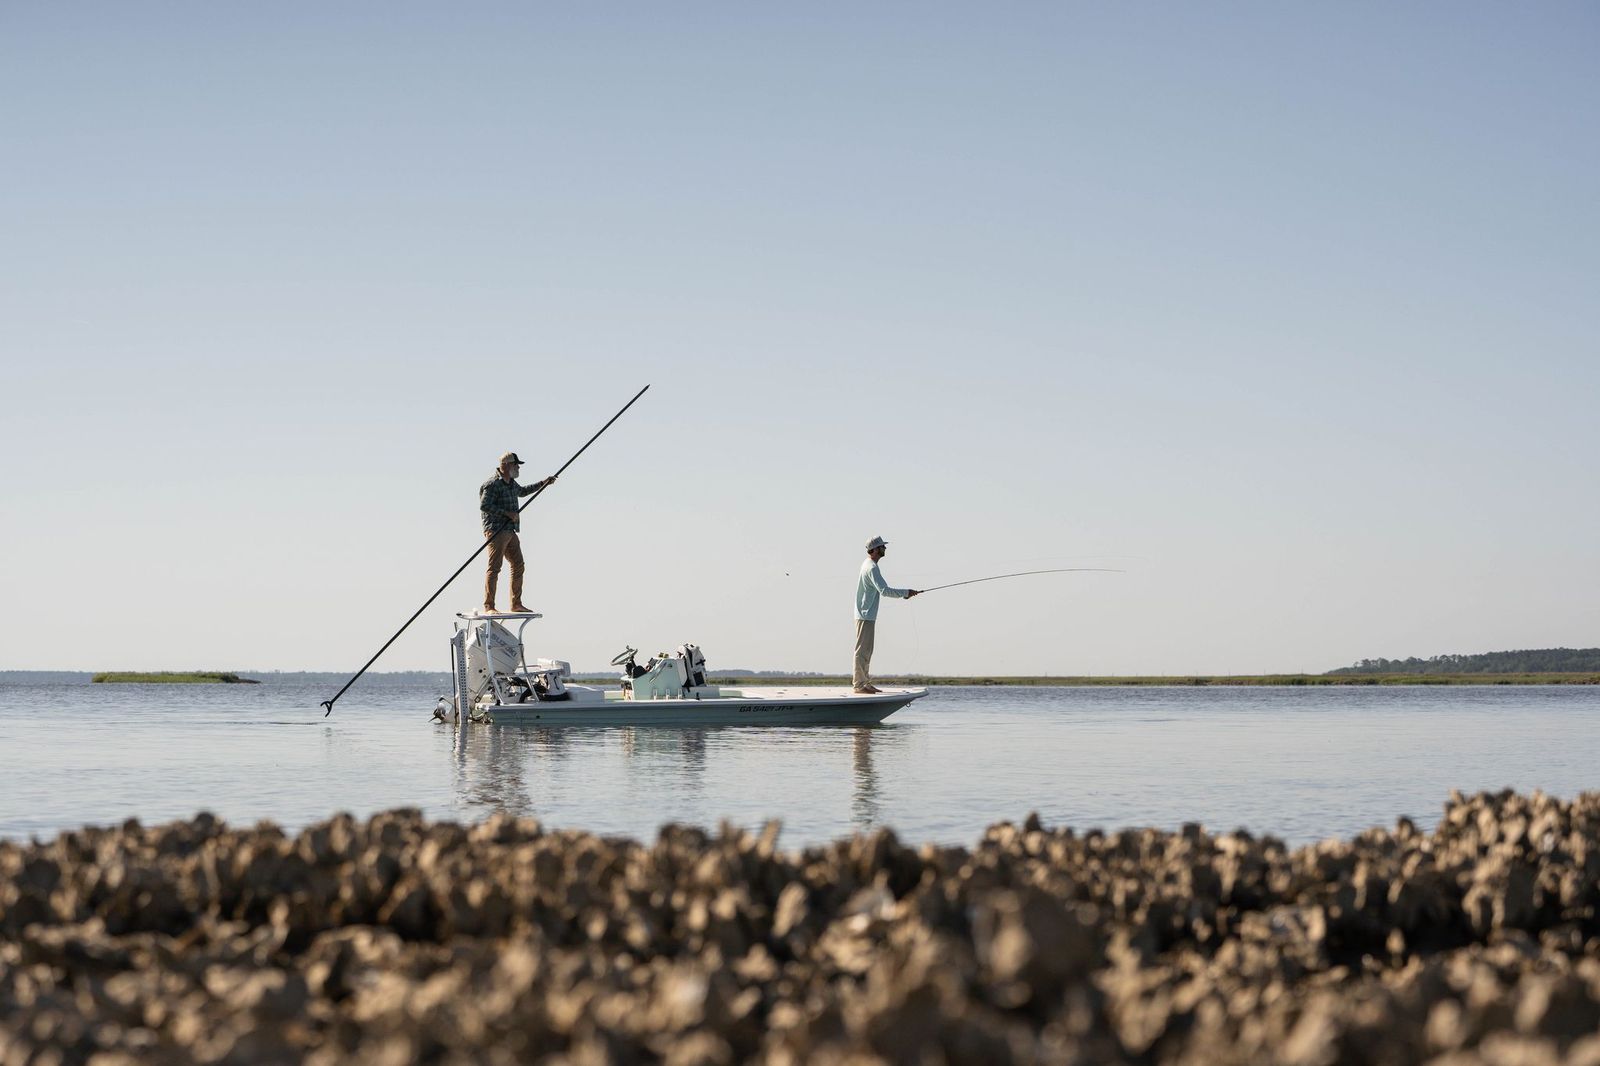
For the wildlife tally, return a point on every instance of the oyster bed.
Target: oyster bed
(396, 940)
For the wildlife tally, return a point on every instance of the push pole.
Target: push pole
(536, 494)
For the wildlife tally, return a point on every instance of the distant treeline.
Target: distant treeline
(1535, 661)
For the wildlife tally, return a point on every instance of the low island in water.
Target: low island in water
(164, 677)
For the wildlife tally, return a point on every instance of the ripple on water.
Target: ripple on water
(1299, 763)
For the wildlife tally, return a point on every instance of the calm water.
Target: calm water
(1297, 763)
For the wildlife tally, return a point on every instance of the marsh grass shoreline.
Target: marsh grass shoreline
(1183, 680)
(162, 677)
(1031, 680)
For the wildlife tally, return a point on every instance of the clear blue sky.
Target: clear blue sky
(1288, 310)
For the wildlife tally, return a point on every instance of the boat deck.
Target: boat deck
(747, 706)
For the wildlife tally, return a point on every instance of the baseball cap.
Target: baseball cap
(877, 542)
(510, 457)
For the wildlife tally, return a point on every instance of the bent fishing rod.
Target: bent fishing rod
(1025, 573)
(536, 494)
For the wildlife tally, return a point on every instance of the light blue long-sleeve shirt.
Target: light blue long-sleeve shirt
(869, 588)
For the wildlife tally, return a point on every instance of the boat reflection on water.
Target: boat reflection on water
(650, 776)
(864, 798)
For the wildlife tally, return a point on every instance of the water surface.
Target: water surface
(1298, 763)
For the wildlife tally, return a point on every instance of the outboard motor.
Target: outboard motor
(491, 652)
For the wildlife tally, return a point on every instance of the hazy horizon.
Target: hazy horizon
(582, 671)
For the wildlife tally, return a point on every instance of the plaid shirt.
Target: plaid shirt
(498, 496)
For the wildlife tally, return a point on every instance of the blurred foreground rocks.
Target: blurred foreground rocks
(396, 940)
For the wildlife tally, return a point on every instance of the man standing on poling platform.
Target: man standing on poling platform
(869, 587)
(497, 500)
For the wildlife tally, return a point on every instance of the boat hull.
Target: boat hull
(780, 707)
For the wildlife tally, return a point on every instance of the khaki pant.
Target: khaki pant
(864, 637)
(503, 545)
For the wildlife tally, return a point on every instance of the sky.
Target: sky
(1286, 311)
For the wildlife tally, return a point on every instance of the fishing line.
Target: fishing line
(916, 636)
(1025, 573)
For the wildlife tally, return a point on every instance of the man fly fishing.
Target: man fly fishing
(869, 587)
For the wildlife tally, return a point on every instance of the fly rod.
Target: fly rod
(1025, 573)
(536, 494)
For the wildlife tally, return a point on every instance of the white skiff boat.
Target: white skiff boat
(496, 682)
